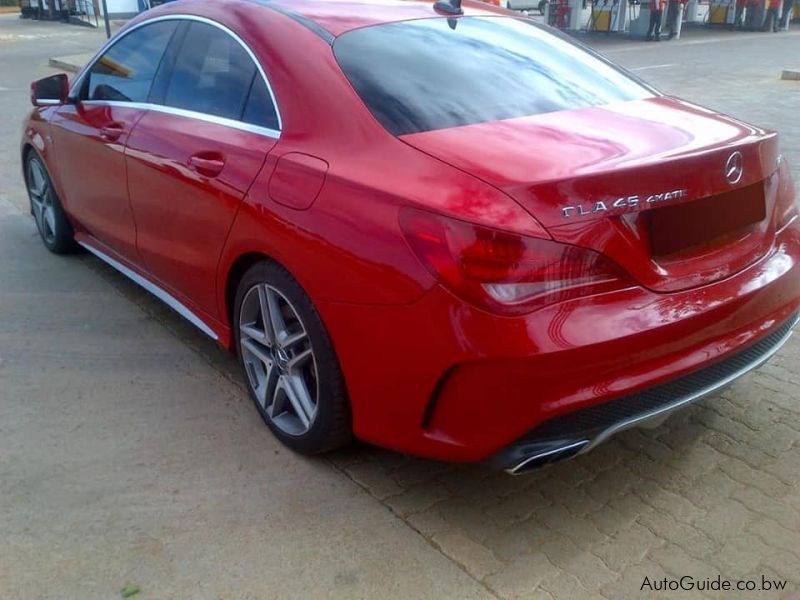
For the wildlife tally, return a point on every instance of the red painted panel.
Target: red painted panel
(89, 143)
(183, 211)
(297, 180)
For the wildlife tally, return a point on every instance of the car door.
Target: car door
(192, 159)
(89, 134)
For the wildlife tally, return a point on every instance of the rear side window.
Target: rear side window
(260, 110)
(125, 72)
(438, 73)
(212, 74)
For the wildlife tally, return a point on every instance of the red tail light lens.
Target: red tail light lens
(501, 271)
(786, 209)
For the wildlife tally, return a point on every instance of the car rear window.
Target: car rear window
(438, 73)
(212, 74)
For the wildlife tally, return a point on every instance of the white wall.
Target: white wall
(122, 6)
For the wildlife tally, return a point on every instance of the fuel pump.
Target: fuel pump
(794, 14)
(692, 10)
(608, 16)
(722, 12)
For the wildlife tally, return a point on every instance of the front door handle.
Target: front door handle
(112, 131)
(209, 164)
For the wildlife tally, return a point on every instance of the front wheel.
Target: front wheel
(51, 221)
(288, 361)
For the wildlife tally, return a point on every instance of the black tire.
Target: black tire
(52, 223)
(331, 426)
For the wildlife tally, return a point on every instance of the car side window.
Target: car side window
(212, 75)
(260, 109)
(124, 73)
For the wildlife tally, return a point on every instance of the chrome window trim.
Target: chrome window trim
(189, 114)
(788, 224)
(154, 289)
(78, 81)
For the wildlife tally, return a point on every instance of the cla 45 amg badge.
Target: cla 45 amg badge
(626, 202)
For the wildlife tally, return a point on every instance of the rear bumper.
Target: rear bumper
(442, 379)
(579, 431)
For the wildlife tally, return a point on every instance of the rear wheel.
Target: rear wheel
(51, 221)
(288, 361)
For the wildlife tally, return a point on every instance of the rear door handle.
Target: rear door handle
(209, 164)
(112, 131)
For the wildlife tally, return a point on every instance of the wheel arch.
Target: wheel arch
(34, 140)
(233, 275)
(27, 148)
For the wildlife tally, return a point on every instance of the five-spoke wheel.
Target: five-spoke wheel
(278, 359)
(52, 223)
(288, 361)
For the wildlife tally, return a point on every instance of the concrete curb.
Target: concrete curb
(73, 64)
(791, 74)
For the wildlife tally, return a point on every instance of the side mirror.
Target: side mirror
(50, 91)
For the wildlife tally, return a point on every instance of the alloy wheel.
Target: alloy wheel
(278, 359)
(42, 201)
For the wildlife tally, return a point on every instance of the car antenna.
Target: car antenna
(449, 7)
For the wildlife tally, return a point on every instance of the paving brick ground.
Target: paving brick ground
(715, 490)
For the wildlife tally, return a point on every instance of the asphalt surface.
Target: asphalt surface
(129, 452)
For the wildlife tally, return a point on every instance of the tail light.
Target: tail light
(504, 272)
(786, 209)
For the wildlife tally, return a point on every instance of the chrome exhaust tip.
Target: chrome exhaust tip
(547, 457)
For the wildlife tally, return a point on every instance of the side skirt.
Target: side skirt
(151, 287)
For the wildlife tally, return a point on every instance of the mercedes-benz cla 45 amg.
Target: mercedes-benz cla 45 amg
(445, 230)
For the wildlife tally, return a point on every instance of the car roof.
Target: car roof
(338, 16)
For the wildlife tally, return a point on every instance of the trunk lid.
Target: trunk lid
(677, 195)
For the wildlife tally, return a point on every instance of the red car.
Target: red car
(445, 230)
